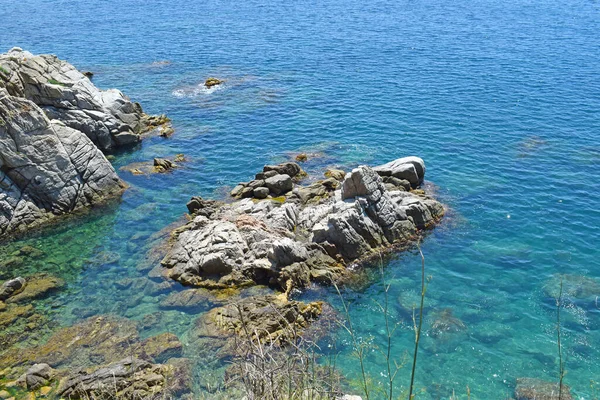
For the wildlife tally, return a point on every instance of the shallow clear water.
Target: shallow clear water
(501, 99)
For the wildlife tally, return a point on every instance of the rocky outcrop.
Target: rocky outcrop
(107, 117)
(299, 238)
(130, 378)
(46, 168)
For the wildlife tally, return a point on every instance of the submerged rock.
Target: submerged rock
(271, 319)
(97, 340)
(107, 117)
(37, 286)
(38, 375)
(309, 236)
(537, 389)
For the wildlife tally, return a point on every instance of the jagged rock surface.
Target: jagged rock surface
(46, 167)
(289, 244)
(130, 378)
(107, 117)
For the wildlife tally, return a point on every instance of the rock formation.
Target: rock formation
(296, 238)
(53, 124)
(107, 117)
(46, 168)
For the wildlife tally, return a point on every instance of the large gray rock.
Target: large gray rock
(107, 117)
(279, 184)
(46, 168)
(290, 244)
(411, 169)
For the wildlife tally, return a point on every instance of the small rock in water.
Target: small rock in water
(445, 322)
(302, 157)
(261, 192)
(38, 286)
(11, 288)
(163, 165)
(210, 82)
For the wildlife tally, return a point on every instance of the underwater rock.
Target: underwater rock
(190, 298)
(197, 205)
(107, 117)
(159, 348)
(11, 288)
(163, 165)
(445, 322)
(573, 286)
(210, 82)
(47, 169)
(104, 337)
(271, 318)
(537, 389)
(38, 286)
(321, 228)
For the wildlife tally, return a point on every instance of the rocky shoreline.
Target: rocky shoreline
(54, 125)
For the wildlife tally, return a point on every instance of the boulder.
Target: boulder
(38, 375)
(107, 117)
(38, 286)
(261, 192)
(411, 169)
(12, 287)
(47, 168)
(279, 184)
(288, 168)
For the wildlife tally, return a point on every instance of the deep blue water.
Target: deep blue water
(501, 99)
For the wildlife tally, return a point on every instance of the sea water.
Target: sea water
(501, 100)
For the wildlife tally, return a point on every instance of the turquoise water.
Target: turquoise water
(501, 99)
